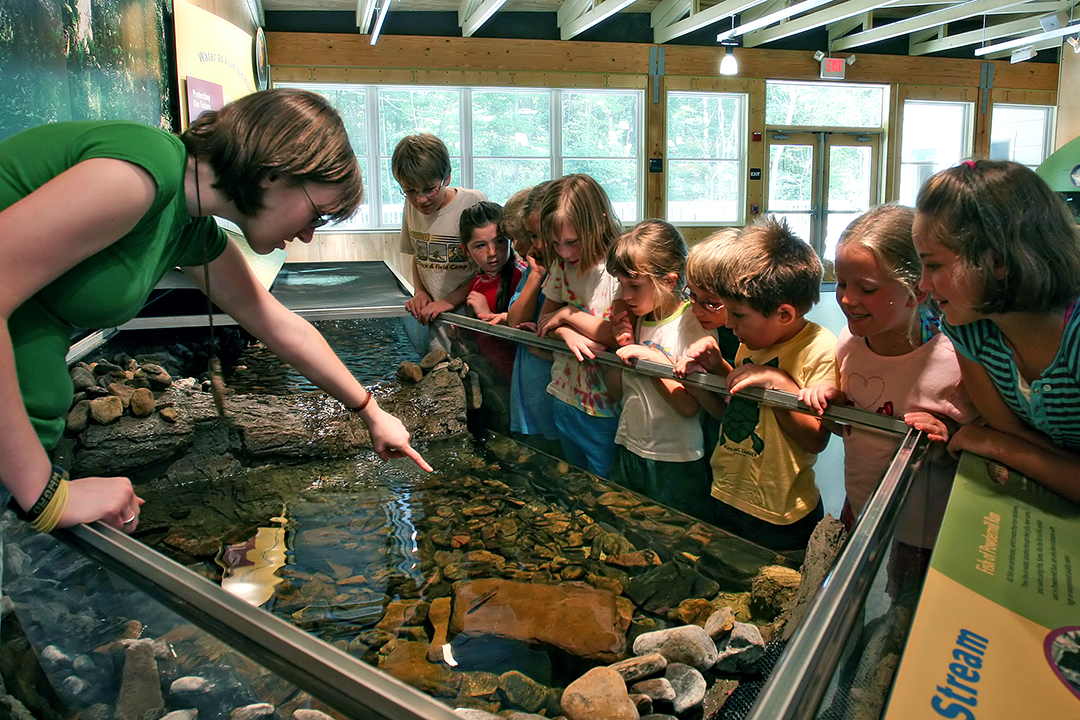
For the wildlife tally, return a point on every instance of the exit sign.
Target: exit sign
(832, 68)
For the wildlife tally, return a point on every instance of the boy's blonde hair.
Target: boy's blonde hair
(579, 201)
(703, 258)
(420, 160)
(766, 266)
(652, 249)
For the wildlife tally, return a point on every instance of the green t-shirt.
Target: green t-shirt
(111, 286)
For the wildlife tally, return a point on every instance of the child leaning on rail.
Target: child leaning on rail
(659, 446)
(763, 485)
(1000, 253)
(530, 404)
(498, 273)
(578, 224)
(893, 360)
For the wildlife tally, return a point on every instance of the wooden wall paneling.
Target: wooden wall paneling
(984, 108)
(891, 151)
(359, 75)
(457, 53)
(1068, 115)
(755, 189)
(656, 147)
(1024, 97)
(285, 73)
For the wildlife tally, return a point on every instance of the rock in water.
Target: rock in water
(688, 644)
(599, 693)
(740, 651)
(140, 688)
(687, 684)
(580, 620)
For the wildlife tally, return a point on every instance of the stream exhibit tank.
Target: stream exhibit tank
(406, 569)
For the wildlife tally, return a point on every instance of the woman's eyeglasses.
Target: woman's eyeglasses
(426, 192)
(320, 219)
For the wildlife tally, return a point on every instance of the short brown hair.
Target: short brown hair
(284, 131)
(420, 160)
(998, 214)
(652, 249)
(767, 266)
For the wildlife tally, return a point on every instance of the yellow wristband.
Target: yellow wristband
(54, 511)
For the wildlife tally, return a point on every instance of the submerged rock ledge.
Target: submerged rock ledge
(259, 428)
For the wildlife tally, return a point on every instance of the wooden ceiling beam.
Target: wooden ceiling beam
(597, 15)
(479, 15)
(919, 22)
(365, 13)
(974, 37)
(669, 12)
(703, 19)
(837, 13)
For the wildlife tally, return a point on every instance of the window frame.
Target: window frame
(967, 141)
(741, 158)
(1049, 126)
(373, 180)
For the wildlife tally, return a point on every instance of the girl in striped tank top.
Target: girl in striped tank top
(1001, 254)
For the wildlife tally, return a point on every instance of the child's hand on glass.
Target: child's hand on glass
(818, 397)
(629, 353)
(582, 347)
(935, 428)
(417, 303)
(762, 376)
(702, 356)
(552, 320)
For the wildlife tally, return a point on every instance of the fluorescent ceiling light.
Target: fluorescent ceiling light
(1029, 40)
(384, 5)
(1022, 53)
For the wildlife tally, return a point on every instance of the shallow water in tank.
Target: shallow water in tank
(370, 348)
(358, 534)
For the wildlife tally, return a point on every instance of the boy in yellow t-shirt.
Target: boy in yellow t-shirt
(763, 485)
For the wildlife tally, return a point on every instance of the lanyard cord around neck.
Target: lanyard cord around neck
(217, 382)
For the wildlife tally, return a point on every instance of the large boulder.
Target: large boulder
(582, 621)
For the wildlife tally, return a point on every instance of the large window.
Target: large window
(935, 136)
(706, 154)
(500, 140)
(824, 105)
(1022, 133)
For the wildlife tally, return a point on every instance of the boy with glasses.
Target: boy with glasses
(429, 230)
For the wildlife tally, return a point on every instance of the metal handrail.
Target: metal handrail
(320, 669)
(776, 398)
(799, 680)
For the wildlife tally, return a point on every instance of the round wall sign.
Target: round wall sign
(261, 61)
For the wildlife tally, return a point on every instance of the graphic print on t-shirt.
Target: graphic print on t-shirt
(438, 252)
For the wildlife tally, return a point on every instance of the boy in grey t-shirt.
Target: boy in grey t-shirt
(441, 271)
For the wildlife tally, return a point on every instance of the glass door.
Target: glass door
(820, 181)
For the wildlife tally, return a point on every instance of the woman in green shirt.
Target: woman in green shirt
(93, 214)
